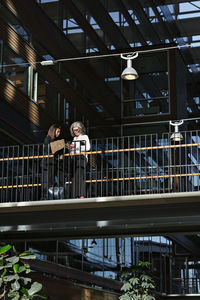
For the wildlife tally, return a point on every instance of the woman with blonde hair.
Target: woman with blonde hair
(78, 147)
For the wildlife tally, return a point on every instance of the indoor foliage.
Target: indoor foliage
(14, 282)
(138, 283)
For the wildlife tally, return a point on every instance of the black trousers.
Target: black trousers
(51, 169)
(78, 170)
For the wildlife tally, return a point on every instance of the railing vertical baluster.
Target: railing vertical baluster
(124, 165)
(117, 192)
(146, 169)
(107, 167)
(7, 175)
(193, 169)
(27, 175)
(153, 157)
(128, 168)
(102, 175)
(198, 162)
(156, 168)
(140, 164)
(32, 161)
(121, 158)
(2, 176)
(11, 172)
(112, 167)
(22, 175)
(136, 182)
(187, 168)
(38, 161)
(42, 171)
(97, 175)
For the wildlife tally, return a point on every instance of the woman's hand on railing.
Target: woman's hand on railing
(70, 146)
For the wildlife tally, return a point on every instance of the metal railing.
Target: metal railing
(113, 167)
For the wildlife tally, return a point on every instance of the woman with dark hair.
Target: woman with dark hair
(52, 166)
(80, 144)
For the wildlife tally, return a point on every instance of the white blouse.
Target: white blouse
(81, 143)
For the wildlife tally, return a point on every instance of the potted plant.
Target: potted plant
(14, 282)
(138, 283)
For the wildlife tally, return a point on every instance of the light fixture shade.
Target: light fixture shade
(129, 73)
(94, 243)
(176, 137)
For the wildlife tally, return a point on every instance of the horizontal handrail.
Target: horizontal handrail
(109, 180)
(114, 166)
(103, 151)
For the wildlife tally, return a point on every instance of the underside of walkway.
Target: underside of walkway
(98, 217)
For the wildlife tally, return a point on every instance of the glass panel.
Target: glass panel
(148, 95)
(15, 69)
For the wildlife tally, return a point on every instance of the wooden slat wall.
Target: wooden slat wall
(22, 48)
(21, 103)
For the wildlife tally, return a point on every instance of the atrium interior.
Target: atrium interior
(60, 62)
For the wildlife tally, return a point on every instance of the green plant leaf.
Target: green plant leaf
(11, 277)
(9, 265)
(28, 257)
(5, 249)
(145, 277)
(26, 280)
(16, 268)
(14, 250)
(145, 285)
(40, 296)
(2, 267)
(126, 287)
(145, 264)
(35, 287)
(1, 262)
(12, 259)
(125, 297)
(134, 280)
(24, 291)
(149, 298)
(15, 285)
(135, 297)
(27, 252)
(1, 281)
(4, 273)
(16, 297)
(125, 274)
(12, 294)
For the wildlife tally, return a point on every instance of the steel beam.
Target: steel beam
(191, 244)
(92, 34)
(84, 24)
(148, 28)
(108, 26)
(152, 214)
(134, 28)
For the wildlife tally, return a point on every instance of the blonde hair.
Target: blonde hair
(79, 125)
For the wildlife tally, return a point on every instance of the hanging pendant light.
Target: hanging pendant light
(129, 72)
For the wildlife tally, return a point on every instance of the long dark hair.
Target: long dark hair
(52, 131)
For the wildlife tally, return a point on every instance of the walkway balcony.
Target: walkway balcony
(134, 184)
